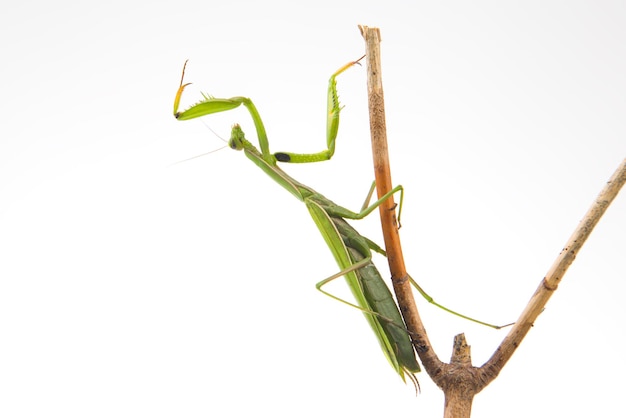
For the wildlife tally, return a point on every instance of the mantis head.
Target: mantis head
(237, 138)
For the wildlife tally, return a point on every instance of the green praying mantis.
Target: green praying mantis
(352, 251)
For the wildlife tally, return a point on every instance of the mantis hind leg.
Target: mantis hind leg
(375, 247)
(432, 301)
(376, 301)
(342, 273)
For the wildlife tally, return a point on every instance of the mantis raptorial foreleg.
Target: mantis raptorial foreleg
(212, 105)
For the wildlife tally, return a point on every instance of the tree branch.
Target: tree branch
(459, 380)
(551, 281)
(382, 171)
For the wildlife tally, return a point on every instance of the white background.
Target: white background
(131, 288)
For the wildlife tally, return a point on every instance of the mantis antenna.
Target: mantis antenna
(205, 153)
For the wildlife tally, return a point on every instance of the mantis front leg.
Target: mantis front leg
(332, 124)
(211, 105)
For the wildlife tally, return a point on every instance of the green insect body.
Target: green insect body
(351, 250)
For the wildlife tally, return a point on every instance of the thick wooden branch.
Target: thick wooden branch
(382, 171)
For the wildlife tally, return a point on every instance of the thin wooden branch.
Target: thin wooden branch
(551, 281)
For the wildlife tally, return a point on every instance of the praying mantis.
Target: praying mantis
(352, 251)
